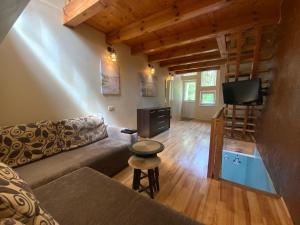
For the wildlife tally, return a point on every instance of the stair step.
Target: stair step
(240, 117)
(240, 123)
(239, 129)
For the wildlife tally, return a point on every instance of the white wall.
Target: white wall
(48, 71)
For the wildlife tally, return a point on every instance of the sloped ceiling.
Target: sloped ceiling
(9, 12)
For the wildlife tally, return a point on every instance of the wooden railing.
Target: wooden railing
(216, 145)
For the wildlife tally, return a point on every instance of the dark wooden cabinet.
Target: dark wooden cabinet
(152, 121)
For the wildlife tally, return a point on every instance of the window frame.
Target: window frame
(208, 91)
(184, 90)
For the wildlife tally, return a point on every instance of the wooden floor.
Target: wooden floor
(239, 146)
(185, 188)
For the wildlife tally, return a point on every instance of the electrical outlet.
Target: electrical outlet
(111, 108)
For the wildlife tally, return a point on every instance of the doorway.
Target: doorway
(189, 98)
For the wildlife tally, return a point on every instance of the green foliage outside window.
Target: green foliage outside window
(209, 78)
(208, 98)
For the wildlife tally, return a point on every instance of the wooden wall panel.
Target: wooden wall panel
(278, 134)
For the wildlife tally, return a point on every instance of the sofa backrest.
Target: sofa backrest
(81, 131)
(22, 144)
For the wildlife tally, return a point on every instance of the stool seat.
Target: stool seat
(144, 163)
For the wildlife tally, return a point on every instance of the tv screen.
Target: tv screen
(247, 92)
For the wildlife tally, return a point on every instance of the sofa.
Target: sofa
(44, 151)
(67, 165)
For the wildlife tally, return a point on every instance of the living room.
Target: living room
(114, 112)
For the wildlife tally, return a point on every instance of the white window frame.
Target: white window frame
(207, 91)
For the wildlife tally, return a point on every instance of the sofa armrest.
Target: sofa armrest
(115, 132)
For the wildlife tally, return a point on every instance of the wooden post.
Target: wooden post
(211, 153)
(218, 148)
(216, 145)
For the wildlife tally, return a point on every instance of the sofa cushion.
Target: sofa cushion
(108, 156)
(10, 221)
(102, 201)
(25, 143)
(18, 202)
(81, 131)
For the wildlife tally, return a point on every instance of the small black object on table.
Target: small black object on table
(145, 158)
(128, 131)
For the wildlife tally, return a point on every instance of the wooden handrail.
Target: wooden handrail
(218, 114)
(216, 145)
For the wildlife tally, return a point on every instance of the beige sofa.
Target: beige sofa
(44, 151)
(62, 162)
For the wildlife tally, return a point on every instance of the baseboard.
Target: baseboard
(203, 121)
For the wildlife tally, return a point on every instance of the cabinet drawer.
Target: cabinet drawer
(159, 113)
(161, 117)
(162, 123)
(158, 130)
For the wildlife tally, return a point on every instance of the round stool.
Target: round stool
(146, 148)
(151, 165)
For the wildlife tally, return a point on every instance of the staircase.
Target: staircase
(248, 54)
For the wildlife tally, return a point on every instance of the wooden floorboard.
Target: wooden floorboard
(185, 188)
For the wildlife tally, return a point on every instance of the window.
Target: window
(208, 98)
(209, 78)
(189, 90)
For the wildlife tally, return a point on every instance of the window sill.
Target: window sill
(208, 105)
(189, 101)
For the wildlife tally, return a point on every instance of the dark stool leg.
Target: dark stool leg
(136, 179)
(157, 178)
(151, 181)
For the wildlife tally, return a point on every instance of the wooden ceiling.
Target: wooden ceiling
(184, 35)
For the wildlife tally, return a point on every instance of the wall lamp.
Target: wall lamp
(152, 70)
(113, 54)
(170, 76)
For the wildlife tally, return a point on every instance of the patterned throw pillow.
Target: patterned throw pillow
(25, 143)
(10, 221)
(18, 202)
(77, 132)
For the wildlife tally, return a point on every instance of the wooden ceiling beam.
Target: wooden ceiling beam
(213, 63)
(208, 46)
(190, 59)
(78, 11)
(197, 70)
(222, 45)
(181, 11)
(206, 32)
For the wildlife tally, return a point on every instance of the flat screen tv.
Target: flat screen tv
(247, 92)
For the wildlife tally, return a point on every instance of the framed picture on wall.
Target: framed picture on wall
(110, 76)
(148, 85)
